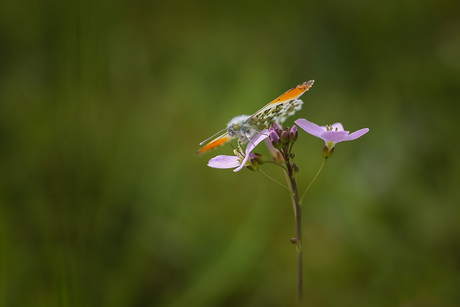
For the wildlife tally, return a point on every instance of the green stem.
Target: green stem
(319, 171)
(290, 192)
(298, 228)
(288, 181)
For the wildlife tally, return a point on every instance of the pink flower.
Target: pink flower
(330, 134)
(240, 158)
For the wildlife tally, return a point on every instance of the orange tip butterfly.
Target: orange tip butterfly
(244, 127)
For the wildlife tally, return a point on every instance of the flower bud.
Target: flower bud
(259, 158)
(293, 134)
(295, 167)
(292, 155)
(294, 241)
(284, 137)
(273, 135)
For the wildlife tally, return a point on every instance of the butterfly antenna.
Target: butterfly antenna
(213, 136)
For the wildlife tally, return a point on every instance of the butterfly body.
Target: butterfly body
(237, 127)
(244, 127)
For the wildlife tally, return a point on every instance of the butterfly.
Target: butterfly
(244, 127)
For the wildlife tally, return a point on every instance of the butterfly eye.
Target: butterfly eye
(236, 127)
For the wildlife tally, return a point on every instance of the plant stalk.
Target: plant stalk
(298, 227)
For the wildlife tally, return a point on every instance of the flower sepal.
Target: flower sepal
(254, 166)
(254, 161)
(327, 152)
(259, 158)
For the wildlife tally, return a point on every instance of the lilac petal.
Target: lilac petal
(240, 166)
(334, 136)
(309, 127)
(256, 140)
(252, 144)
(339, 127)
(276, 126)
(356, 134)
(224, 162)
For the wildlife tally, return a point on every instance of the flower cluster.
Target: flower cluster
(281, 141)
(282, 138)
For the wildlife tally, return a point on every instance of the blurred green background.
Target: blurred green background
(104, 203)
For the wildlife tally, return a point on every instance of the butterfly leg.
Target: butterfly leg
(250, 134)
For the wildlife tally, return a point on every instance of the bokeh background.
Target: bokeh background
(104, 203)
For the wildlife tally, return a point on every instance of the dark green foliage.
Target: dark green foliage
(104, 203)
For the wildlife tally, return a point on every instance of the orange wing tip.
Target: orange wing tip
(295, 92)
(213, 144)
(306, 85)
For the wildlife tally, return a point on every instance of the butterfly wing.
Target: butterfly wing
(274, 112)
(217, 142)
(278, 110)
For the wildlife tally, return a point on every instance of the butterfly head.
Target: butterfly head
(237, 126)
